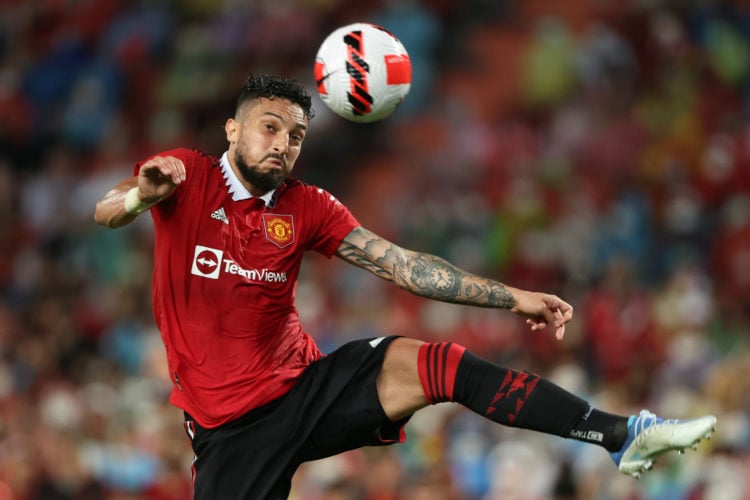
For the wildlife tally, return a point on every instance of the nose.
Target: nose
(281, 143)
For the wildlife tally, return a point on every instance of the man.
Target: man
(259, 397)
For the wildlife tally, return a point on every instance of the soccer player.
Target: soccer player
(259, 397)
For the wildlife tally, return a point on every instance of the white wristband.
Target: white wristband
(133, 204)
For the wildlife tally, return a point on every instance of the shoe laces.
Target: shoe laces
(644, 422)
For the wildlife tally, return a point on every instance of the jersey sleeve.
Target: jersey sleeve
(334, 222)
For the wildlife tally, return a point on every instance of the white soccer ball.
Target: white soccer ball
(362, 72)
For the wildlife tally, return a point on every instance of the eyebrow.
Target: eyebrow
(281, 118)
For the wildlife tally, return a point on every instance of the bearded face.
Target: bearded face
(265, 141)
(263, 179)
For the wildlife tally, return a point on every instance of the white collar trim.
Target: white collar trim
(236, 189)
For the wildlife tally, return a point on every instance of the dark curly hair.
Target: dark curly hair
(273, 87)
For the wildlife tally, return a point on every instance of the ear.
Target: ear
(230, 127)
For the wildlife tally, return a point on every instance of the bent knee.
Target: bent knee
(399, 386)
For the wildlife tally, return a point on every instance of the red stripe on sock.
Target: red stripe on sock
(455, 352)
(437, 365)
(435, 372)
(439, 372)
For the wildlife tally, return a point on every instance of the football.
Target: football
(362, 72)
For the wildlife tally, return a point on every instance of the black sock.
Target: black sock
(605, 429)
(525, 400)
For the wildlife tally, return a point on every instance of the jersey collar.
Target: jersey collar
(236, 189)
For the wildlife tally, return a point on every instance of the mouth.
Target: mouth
(276, 163)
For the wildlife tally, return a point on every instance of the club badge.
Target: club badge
(279, 229)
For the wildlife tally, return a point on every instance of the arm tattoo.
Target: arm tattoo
(435, 278)
(422, 274)
(493, 292)
(361, 258)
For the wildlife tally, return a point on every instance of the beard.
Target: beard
(263, 181)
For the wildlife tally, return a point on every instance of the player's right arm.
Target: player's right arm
(435, 278)
(156, 180)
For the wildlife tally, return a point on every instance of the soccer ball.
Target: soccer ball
(362, 72)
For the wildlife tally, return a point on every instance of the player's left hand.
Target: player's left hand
(542, 310)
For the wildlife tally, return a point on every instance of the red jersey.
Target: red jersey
(225, 273)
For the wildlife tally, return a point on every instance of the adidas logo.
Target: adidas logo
(220, 215)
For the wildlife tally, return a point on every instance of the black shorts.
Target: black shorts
(334, 407)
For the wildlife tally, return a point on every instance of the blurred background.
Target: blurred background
(597, 149)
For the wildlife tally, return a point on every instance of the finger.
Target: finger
(176, 169)
(171, 169)
(537, 324)
(559, 324)
(566, 311)
(560, 332)
(168, 167)
(181, 171)
(156, 167)
(555, 302)
(562, 312)
(559, 318)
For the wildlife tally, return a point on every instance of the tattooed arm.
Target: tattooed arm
(420, 273)
(434, 278)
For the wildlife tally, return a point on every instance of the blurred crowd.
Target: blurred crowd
(597, 149)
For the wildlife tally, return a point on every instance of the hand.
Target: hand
(542, 310)
(158, 177)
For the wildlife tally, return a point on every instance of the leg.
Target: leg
(399, 387)
(415, 374)
(248, 458)
(333, 407)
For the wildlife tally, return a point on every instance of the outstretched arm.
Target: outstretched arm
(156, 180)
(434, 278)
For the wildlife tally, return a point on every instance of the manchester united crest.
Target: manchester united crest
(279, 229)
